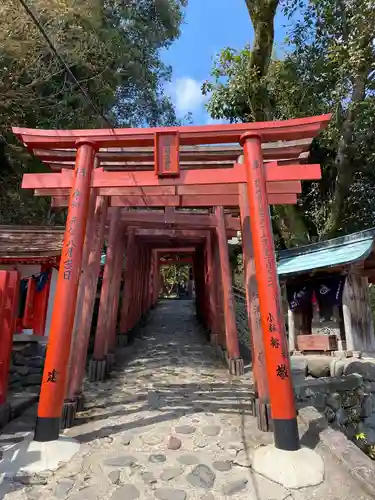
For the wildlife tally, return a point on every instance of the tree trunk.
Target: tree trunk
(262, 14)
(344, 163)
(346, 149)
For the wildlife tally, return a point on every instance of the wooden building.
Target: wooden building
(327, 287)
(29, 259)
(34, 252)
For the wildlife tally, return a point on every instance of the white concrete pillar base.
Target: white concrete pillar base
(292, 469)
(32, 457)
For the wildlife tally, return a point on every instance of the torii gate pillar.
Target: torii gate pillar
(235, 362)
(252, 303)
(55, 369)
(89, 293)
(99, 364)
(281, 392)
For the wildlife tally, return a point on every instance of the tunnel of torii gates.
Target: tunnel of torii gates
(101, 175)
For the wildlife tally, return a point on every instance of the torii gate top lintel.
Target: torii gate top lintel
(270, 131)
(174, 166)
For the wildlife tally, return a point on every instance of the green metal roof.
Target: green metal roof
(331, 253)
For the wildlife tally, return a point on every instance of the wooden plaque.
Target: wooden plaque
(167, 162)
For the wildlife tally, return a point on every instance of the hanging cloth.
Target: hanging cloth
(299, 295)
(41, 280)
(329, 290)
(22, 297)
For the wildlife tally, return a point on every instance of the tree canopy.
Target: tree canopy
(329, 66)
(113, 49)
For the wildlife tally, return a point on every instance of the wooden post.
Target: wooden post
(219, 294)
(129, 269)
(214, 338)
(347, 305)
(141, 272)
(145, 276)
(198, 287)
(190, 283)
(253, 312)
(149, 278)
(133, 287)
(283, 410)
(98, 365)
(207, 311)
(292, 329)
(206, 289)
(206, 281)
(55, 369)
(236, 365)
(151, 283)
(89, 297)
(202, 289)
(158, 282)
(115, 299)
(147, 282)
(133, 306)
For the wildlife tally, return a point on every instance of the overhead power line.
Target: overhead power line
(68, 70)
(62, 62)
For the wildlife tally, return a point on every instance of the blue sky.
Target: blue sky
(210, 25)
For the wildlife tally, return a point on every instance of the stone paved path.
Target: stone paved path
(170, 424)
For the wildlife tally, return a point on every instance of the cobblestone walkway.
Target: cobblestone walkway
(170, 424)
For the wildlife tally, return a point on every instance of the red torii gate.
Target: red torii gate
(173, 169)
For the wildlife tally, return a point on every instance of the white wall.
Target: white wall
(27, 270)
(51, 300)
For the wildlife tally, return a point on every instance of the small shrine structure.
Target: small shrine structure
(327, 285)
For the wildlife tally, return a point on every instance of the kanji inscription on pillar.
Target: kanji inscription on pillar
(282, 371)
(68, 250)
(76, 199)
(167, 154)
(52, 376)
(271, 323)
(275, 342)
(81, 172)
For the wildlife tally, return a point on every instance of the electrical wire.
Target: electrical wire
(62, 62)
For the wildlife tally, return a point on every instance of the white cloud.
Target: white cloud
(213, 121)
(186, 95)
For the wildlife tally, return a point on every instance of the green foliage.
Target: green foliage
(113, 49)
(172, 275)
(369, 449)
(329, 67)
